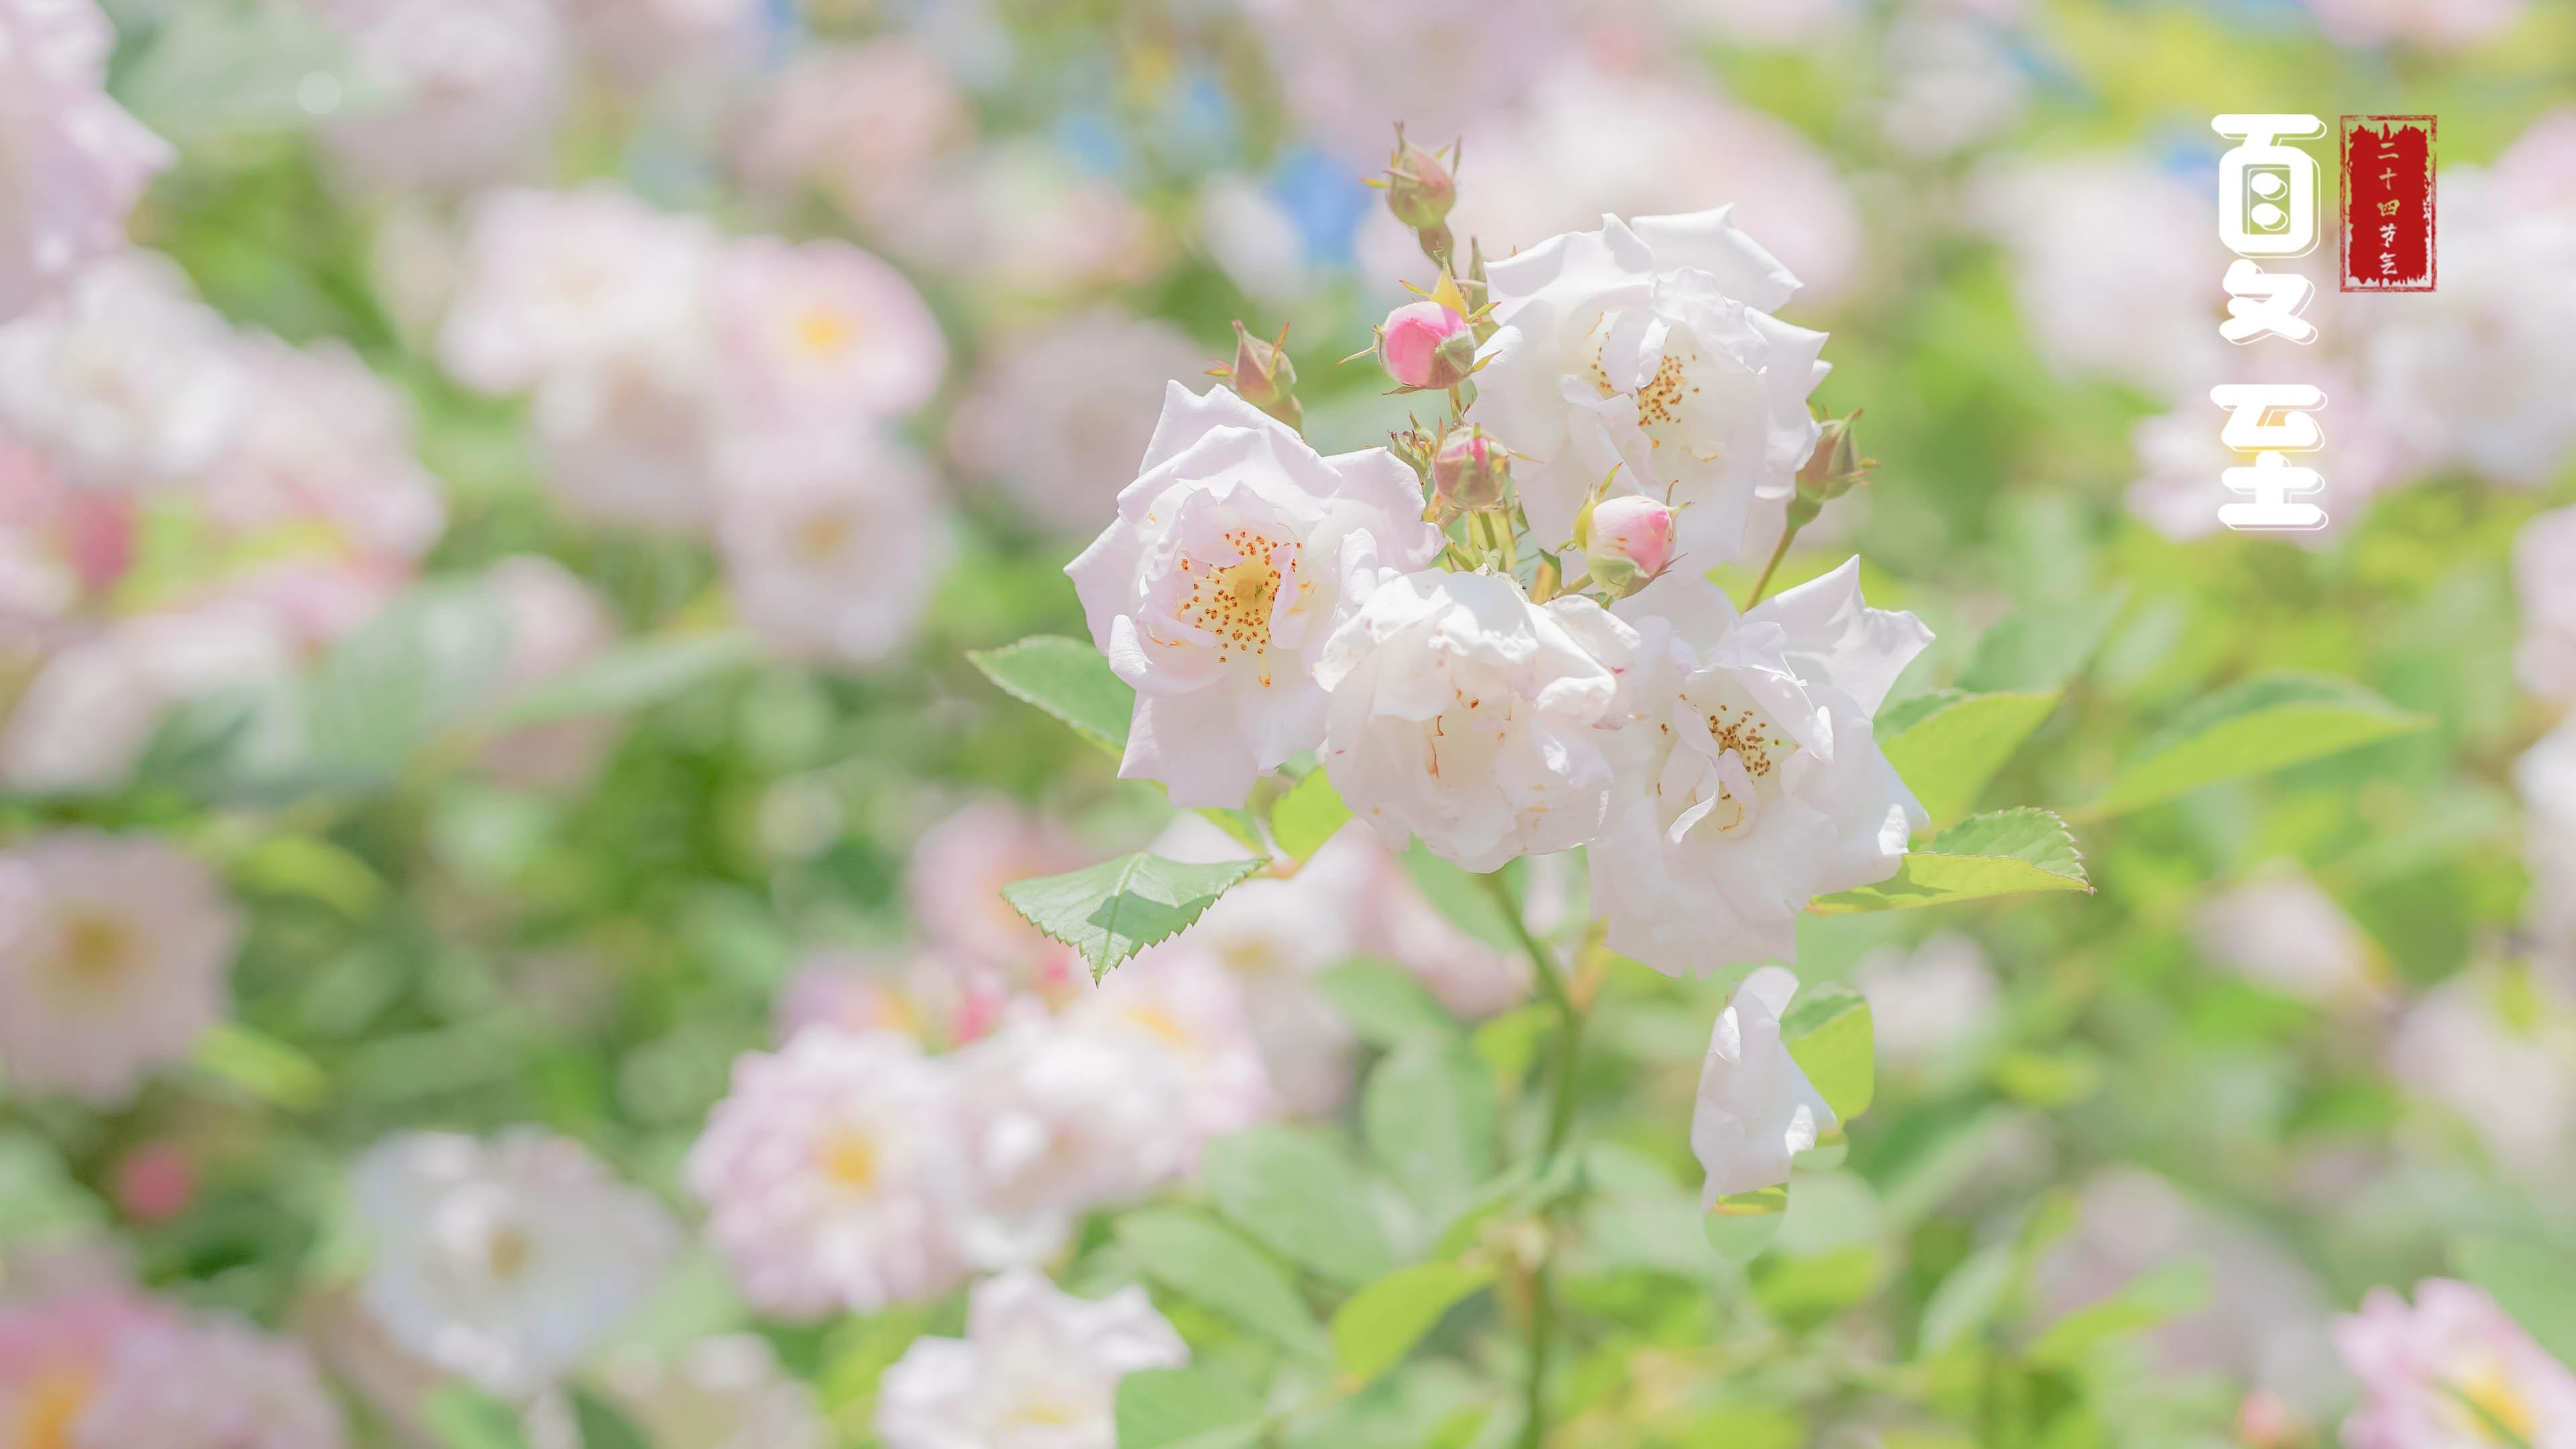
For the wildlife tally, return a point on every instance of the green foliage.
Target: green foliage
(1068, 679)
(1302, 1199)
(1186, 1408)
(2533, 1281)
(1195, 1256)
(1117, 908)
(1947, 745)
(602, 1426)
(1827, 1031)
(1308, 815)
(1428, 1112)
(1382, 1322)
(635, 674)
(464, 1419)
(2253, 728)
(2008, 852)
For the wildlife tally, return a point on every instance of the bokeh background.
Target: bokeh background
(487, 580)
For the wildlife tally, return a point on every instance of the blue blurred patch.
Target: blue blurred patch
(1325, 200)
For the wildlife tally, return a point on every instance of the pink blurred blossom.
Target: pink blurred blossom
(211, 1382)
(447, 92)
(564, 282)
(832, 539)
(2473, 373)
(824, 1171)
(77, 161)
(847, 991)
(862, 122)
(821, 332)
(1018, 221)
(1186, 1006)
(2284, 932)
(56, 1350)
(2432, 24)
(1350, 67)
(114, 954)
(124, 378)
(2498, 1051)
(955, 879)
(649, 37)
(1059, 414)
(155, 1182)
(2433, 1375)
(2544, 576)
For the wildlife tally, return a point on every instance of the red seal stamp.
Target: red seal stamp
(2388, 232)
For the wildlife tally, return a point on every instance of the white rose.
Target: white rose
(1751, 782)
(507, 1261)
(1221, 578)
(1466, 715)
(1037, 1369)
(1756, 1108)
(1650, 347)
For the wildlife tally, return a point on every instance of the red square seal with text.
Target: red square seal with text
(2388, 204)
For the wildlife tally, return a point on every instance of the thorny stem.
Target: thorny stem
(1560, 1124)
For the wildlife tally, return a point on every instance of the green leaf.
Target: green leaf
(1462, 897)
(2041, 648)
(2003, 853)
(1946, 746)
(261, 1067)
(1383, 1321)
(1113, 910)
(603, 1427)
(2153, 1298)
(1199, 1258)
(1068, 679)
(2532, 1281)
(1968, 1299)
(1301, 1198)
(417, 667)
(1429, 1118)
(1186, 1408)
(1386, 1004)
(1741, 1225)
(1827, 1031)
(1307, 815)
(630, 676)
(2252, 728)
(460, 1418)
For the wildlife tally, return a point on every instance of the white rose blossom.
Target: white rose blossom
(1756, 1109)
(1750, 781)
(505, 1261)
(1037, 1369)
(1649, 347)
(1218, 583)
(1467, 715)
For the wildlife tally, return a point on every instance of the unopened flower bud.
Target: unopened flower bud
(1470, 471)
(1262, 375)
(1419, 188)
(1835, 465)
(1426, 345)
(1626, 541)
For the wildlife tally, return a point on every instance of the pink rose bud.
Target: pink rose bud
(1427, 345)
(155, 1183)
(1470, 471)
(1626, 541)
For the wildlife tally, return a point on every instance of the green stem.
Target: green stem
(1560, 1126)
(1777, 554)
